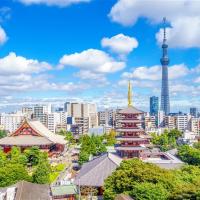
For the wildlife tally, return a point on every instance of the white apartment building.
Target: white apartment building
(56, 121)
(170, 122)
(195, 125)
(183, 122)
(11, 122)
(149, 122)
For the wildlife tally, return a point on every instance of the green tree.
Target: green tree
(42, 173)
(83, 157)
(149, 191)
(12, 173)
(3, 159)
(189, 154)
(33, 155)
(3, 134)
(147, 181)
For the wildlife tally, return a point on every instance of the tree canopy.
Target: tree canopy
(3, 134)
(145, 181)
(91, 145)
(166, 140)
(16, 166)
(190, 155)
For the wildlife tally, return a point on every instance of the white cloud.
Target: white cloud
(183, 34)
(127, 12)
(13, 64)
(120, 44)
(88, 75)
(3, 36)
(61, 3)
(154, 72)
(92, 60)
(183, 15)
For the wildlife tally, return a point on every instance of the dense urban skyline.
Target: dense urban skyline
(45, 47)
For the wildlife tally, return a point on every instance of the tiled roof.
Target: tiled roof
(93, 173)
(130, 110)
(25, 140)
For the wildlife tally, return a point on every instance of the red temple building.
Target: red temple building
(131, 136)
(34, 133)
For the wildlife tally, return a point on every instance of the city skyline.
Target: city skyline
(44, 56)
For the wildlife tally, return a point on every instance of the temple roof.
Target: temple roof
(25, 140)
(94, 172)
(130, 110)
(138, 148)
(24, 190)
(32, 133)
(131, 139)
(129, 129)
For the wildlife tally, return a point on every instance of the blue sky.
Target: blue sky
(57, 50)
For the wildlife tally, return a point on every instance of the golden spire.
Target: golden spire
(129, 94)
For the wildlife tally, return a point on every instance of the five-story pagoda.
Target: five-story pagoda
(131, 136)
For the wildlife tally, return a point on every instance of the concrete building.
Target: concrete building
(10, 122)
(170, 122)
(40, 112)
(84, 115)
(27, 111)
(56, 121)
(107, 118)
(195, 125)
(150, 122)
(183, 122)
(161, 117)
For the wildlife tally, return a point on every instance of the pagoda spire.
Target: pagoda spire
(129, 94)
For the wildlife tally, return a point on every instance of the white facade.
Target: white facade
(11, 122)
(56, 120)
(150, 122)
(183, 122)
(161, 117)
(195, 125)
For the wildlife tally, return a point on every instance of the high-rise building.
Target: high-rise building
(194, 112)
(40, 112)
(154, 104)
(84, 114)
(165, 103)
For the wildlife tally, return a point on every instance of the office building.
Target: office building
(194, 112)
(154, 106)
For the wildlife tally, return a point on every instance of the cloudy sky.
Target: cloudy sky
(58, 50)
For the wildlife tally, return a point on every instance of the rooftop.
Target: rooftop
(130, 110)
(63, 190)
(100, 168)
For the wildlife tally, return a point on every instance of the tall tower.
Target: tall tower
(165, 104)
(129, 94)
